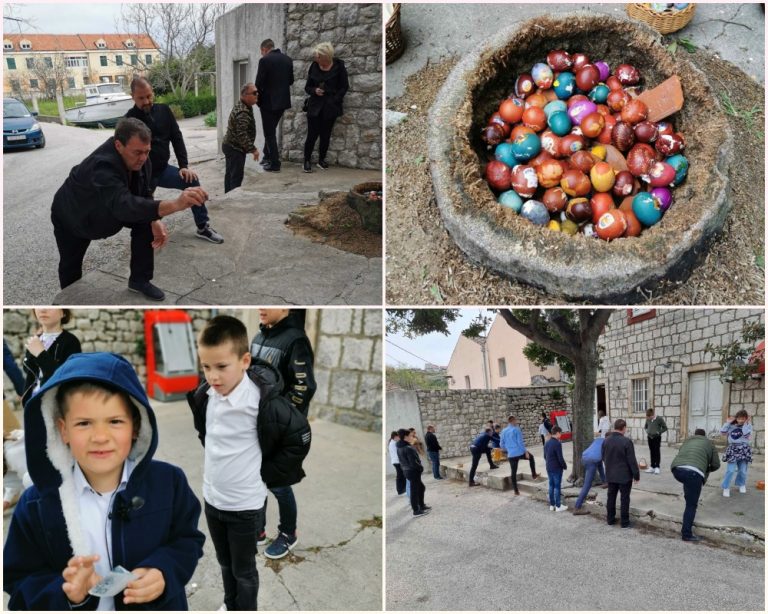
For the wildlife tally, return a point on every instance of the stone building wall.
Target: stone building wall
(459, 415)
(348, 358)
(667, 349)
(355, 32)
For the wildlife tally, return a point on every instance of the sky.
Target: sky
(434, 348)
(61, 18)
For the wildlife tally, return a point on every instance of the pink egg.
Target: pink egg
(579, 110)
(664, 196)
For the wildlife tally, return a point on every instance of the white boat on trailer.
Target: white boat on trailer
(105, 104)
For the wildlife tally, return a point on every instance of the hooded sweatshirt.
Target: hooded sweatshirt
(154, 519)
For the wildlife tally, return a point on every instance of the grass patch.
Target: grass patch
(375, 522)
(49, 107)
(748, 116)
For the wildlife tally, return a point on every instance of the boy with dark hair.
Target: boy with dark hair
(655, 427)
(553, 457)
(253, 439)
(99, 500)
(282, 342)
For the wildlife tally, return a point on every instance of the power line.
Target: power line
(409, 352)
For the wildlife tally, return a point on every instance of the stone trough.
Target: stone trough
(577, 267)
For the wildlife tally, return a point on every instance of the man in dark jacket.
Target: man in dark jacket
(108, 191)
(694, 462)
(433, 451)
(620, 470)
(165, 132)
(240, 138)
(274, 78)
(412, 468)
(282, 342)
(477, 448)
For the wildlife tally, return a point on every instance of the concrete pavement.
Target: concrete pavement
(261, 261)
(337, 563)
(483, 550)
(656, 503)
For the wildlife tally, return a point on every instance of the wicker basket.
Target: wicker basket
(664, 22)
(395, 40)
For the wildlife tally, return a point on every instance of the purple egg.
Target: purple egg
(603, 69)
(580, 109)
(664, 196)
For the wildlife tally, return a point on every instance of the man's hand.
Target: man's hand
(159, 235)
(148, 587)
(35, 346)
(637, 481)
(319, 92)
(187, 175)
(191, 197)
(80, 576)
(256, 154)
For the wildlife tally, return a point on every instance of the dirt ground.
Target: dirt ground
(424, 266)
(333, 222)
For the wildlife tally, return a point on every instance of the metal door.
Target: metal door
(705, 402)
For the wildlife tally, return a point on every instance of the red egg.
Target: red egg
(646, 132)
(640, 158)
(493, 134)
(559, 60)
(587, 77)
(524, 86)
(634, 111)
(549, 173)
(555, 199)
(549, 94)
(518, 131)
(524, 180)
(583, 160)
(665, 128)
(511, 110)
(592, 125)
(575, 183)
(542, 157)
(617, 99)
(578, 210)
(579, 61)
(627, 74)
(603, 110)
(634, 227)
(611, 225)
(498, 175)
(576, 98)
(550, 143)
(613, 83)
(601, 202)
(622, 136)
(571, 143)
(624, 184)
(535, 118)
(536, 100)
(605, 136)
(661, 174)
(670, 144)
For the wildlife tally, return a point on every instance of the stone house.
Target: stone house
(296, 28)
(346, 342)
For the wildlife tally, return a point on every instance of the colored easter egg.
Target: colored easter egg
(564, 85)
(511, 200)
(535, 211)
(560, 123)
(646, 208)
(542, 75)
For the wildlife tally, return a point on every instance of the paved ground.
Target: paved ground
(338, 562)
(735, 32)
(657, 501)
(483, 550)
(261, 261)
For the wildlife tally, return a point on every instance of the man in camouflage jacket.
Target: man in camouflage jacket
(240, 139)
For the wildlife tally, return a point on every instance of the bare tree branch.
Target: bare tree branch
(532, 330)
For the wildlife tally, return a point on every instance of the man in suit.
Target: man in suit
(620, 470)
(274, 78)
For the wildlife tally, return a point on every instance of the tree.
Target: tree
(416, 379)
(739, 359)
(184, 33)
(569, 336)
(52, 74)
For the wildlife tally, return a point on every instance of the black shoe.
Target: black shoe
(693, 538)
(272, 169)
(264, 162)
(307, 166)
(494, 466)
(627, 526)
(611, 522)
(426, 508)
(323, 164)
(423, 512)
(473, 484)
(147, 289)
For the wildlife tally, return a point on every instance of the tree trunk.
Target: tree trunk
(583, 406)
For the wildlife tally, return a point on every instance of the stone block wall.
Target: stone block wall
(354, 30)
(348, 358)
(459, 415)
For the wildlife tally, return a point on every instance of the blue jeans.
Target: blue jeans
(591, 467)
(740, 469)
(555, 479)
(407, 488)
(434, 457)
(286, 504)
(692, 484)
(170, 178)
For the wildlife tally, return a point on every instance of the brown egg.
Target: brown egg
(622, 136)
(549, 173)
(575, 183)
(646, 132)
(571, 143)
(555, 200)
(511, 109)
(605, 135)
(535, 118)
(493, 134)
(498, 175)
(524, 180)
(583, 160)
(592, 125)
(603, 110)
(559, 60)
(499, 121)
(634, 111)
(640, 158)
(518, 131)
(578, 210)
(624, 184)
(613, 83)
(617, 99)
(670, 144)
(587, 77)
(665, 128)
(543, 156)
(536, 100)
(579, 61)
(634, 227)
(549, 94)
(524, 86)
(601, 202)
(627, 74)
(550, 143)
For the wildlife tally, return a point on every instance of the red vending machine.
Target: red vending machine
(171, 354)
(560, 418)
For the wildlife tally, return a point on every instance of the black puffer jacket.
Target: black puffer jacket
(284, 433)
(409, 458)
(47, 362)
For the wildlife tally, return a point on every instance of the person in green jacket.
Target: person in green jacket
(655, 427)
(694, 462)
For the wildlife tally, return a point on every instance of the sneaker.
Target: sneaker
(261, 539)
(692, 538)
(494, 467)
(580, 511)
(420, 513)
(146, 288)
(561, 508)
(271, 169)
(726, 492)
(323, 164)
(426, 507)
(264, 161)
(222, 608)
(627, 526)
(209, 234)
(281, 546)
(307, 166)
(551, 508)
(742, 489)
(656, 471)
(649, 470)
(473, 484)
(517, 492)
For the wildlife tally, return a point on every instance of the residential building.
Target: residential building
(89, 58)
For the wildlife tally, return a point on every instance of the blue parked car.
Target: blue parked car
(20, 128)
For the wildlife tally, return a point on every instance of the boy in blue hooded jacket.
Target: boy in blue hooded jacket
(99, 500)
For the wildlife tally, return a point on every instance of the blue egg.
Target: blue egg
(554, 107)
(564, 85)
(680, 5)
(599, 93)
(646, 208)
(680, 163)
(511, 200)
(526, 146)
(504, 153)
(535, 211)
(560, 123)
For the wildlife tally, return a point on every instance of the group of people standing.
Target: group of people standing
(113, 188)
